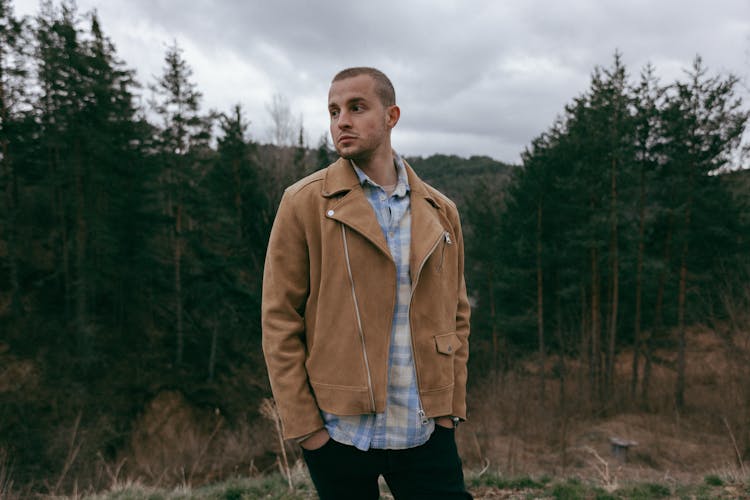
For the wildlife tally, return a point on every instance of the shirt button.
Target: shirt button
(382, 197)
(391, 234)
(330, 213)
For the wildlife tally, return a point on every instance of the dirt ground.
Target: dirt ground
(512, 432)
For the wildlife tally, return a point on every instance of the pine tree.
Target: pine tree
(93, 142)
(325, 155)
(13, 100)
(225, 291)
(648, 97)
(704, 126)
(184, 133)
(614, 105)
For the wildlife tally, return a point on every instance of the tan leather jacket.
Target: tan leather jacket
(329, 289)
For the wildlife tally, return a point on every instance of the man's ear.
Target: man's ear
(392, 114)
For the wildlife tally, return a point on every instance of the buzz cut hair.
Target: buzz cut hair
(383, 86)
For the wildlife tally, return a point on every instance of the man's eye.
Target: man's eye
(356, 108)
(334, 113)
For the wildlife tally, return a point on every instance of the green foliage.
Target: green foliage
(572, 489)
(457, 177)
(497, 481)
(713, 480)
(93, 262)
(615, 229)
(272, 486)
(645, 491)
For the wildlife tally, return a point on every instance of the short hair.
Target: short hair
(383, 86)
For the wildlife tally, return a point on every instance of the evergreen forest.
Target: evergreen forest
(133, 227)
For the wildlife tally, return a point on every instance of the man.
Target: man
(365, 314)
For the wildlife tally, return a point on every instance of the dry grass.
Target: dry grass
(488, 486)
(175, 444)
(512, 432)
(269, 411)
(520, 433)
(6, 477)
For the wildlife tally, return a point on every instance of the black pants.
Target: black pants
(431, 471)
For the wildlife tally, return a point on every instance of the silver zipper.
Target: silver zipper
(359, 319)
(448, 241)
(446, 236)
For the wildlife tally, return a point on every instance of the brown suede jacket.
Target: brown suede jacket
(329, 289)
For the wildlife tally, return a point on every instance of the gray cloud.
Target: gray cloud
(472, 77)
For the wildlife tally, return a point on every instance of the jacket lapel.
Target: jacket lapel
(352, 209)
(426, 225)
(355, 211)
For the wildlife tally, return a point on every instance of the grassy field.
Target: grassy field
(482, 486)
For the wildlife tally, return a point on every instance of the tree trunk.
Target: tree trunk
(540, 301)
(11, 229)
(177, 264)
(238, 198)
(596, 330)
(639, 283)
(659, 310)
(11, 203)
(495, 340)
(562, 400)
(614, 283)
(680, 385)
(212, 354)
(60, 208)
(560, 342)
(585, 350)
(80, 284)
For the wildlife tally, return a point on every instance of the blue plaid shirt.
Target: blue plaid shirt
(403, 424)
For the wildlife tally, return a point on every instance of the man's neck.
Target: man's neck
(379, 167)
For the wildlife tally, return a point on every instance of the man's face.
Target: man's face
(360, 123)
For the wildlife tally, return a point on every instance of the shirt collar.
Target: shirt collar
(402, 185)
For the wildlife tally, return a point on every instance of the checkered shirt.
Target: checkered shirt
(402, 425)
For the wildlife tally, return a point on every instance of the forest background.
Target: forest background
(132, 239)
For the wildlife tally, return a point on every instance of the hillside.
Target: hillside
(459, 177)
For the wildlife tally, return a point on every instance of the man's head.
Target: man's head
(362, 108)
(383, 86)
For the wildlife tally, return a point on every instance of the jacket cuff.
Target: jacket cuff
(296, 428)
(302, 438)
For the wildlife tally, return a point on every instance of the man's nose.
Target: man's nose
(343, 120)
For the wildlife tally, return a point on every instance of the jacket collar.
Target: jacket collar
(341, 178)
(353, 210)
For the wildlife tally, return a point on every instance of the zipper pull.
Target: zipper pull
(423, 417)
(448, 238)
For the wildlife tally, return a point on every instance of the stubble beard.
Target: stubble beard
(356, 156)
(363, 151)
(361, 154)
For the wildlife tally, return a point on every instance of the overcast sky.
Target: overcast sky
(471, 77)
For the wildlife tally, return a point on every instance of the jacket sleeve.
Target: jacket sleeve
(463, 313)
(285, 291)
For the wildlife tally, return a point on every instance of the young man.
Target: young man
(365, 313)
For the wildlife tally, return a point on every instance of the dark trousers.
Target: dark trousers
(431, 471)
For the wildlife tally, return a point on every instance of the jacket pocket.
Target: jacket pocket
(436, 364)
(447, 343)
